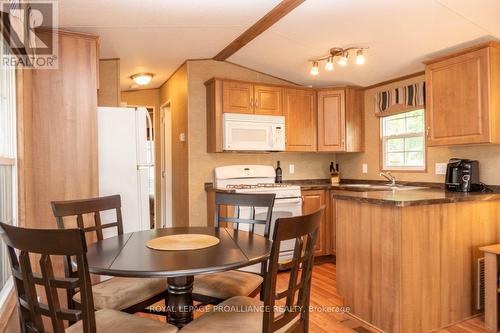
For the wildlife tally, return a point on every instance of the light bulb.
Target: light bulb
(343, 60)
(314, 69)
(360, 58)
(329, 64)
(142, 79)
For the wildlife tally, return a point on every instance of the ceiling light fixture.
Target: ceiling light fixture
(314, 68)
(343, 59)
(342, 55)
(329, 64)
(142, 79)
(360, 58)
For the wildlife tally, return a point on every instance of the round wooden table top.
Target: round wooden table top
(128, 256)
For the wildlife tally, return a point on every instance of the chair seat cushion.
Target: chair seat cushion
(238, 314)
(120, 293)
(108, 321)
(225, 285)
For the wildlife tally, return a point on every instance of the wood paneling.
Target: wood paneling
(340, 120)
(311, 202)
(268, 100)
(237, 97)
(299, 109)
(282, 9)
(412, 269)
(109, 83)
(462, 105)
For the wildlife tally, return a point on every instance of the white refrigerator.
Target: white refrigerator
(126, 162)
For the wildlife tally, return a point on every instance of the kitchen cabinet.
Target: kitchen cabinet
(299, 109)
(340, 120)
(332, 225)
(244, 97)
(463, 98)
(312, 201)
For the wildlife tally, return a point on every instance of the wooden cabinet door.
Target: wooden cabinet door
(457, 109)
(331, 120)
(237, 97)
(312, 201)
(268, 100)
(333, 225)
(300, 113)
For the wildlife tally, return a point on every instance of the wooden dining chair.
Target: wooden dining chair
(125, 294)
(282, 310)
(24, 245)
(217, 287)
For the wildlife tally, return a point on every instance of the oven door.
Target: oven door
(283, 207)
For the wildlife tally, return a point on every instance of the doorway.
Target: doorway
(166, 165)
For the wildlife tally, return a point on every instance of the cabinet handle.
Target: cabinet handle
(427, 131)
(256, 103)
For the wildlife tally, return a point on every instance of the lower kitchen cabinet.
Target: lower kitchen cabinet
(332, 230)
(312, 201)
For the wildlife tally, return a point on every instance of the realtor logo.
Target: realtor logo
(28, 31)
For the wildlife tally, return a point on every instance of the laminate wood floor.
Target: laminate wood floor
(324, 296)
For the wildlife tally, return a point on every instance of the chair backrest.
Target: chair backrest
(235, 201)
(95, 206)
(304, 230)
(24, 245)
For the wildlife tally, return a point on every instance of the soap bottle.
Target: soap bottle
(279, 174)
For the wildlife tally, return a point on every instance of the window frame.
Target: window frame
(384, 139)
(10, 158)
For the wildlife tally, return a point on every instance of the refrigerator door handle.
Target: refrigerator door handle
(144, 166)
(150, 135)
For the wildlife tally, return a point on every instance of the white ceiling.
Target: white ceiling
(157, 35)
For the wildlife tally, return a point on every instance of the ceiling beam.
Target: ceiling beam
(282, 9)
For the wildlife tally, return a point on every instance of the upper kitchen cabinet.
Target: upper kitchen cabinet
(463, 97)
(299, 109)
(340, 120)
(244, 97)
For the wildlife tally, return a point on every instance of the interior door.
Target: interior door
(312, 201)
(300, 114)
(457, 109)
(331, 120)
(237, 97)
(268, 100)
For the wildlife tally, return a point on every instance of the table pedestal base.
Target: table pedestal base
(180, 300)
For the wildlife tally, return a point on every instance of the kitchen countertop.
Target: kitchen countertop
(434, 194)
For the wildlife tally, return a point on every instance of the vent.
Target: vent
(480, 284)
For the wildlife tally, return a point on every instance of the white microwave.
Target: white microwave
(250, 132)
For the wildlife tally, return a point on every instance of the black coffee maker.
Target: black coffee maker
(462, 176)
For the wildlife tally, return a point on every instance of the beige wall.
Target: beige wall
(109, 82)
(350, 164)
(150, 98)
(202, 164)
(175, 91)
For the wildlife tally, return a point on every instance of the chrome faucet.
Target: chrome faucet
(387, 175)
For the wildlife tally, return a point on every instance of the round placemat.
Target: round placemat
(182, 242)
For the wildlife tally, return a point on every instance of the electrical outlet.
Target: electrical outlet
(291, 169)
(364, 168)
(441, 168)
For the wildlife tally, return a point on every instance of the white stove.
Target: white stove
(260, 179)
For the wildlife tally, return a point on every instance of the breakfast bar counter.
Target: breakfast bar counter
(407, 260)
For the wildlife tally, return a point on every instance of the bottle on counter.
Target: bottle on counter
(334, 174)
(279, 174)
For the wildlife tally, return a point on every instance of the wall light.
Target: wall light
(343, 59)
(360, 58)
(142, 79)
(329, 64)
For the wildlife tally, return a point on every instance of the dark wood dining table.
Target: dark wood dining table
(128, 256)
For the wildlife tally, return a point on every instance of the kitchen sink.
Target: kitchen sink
(374, 187)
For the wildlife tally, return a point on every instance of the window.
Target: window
(403, 141)
(8, 177)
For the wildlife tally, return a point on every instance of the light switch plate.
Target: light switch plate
(364, 168)
(291, 169)
(182, 137)
(441, 168)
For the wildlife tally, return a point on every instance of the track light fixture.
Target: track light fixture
(343, 58)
